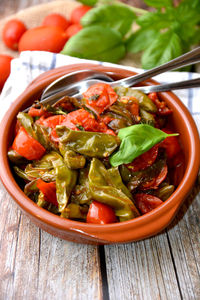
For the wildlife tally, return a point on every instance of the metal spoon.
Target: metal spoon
(77, 82)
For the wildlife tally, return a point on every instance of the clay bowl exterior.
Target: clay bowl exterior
(133, 230)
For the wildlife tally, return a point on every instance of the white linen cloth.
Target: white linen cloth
(31, 64)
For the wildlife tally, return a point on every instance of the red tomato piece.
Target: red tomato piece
(156, 181)
(163, 110)
(73, 29)
(83, 118)
(134, 108)
(12, 33)
(144, 161)
(100, 96)
(78, 13)
(52, 121)
(171, 144)
(5, 63)
(56, 20)
(27, 146)
(38, 112)
(100, 213)
(146, 202)
(49, 191)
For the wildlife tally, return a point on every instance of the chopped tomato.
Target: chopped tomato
(171, 144)
(134, 108)
(163, 110)
(144, 160)
(49, 191)
(146, 202)
(100, 96)
(52, 121)
(37, 112)
(154, 182)
(100, 213)
(82, 118)
(27, 146)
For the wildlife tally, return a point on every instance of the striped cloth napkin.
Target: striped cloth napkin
(31, 64)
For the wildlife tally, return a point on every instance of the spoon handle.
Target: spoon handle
(186, 59)
(192, 83)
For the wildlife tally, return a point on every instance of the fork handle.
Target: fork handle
(192, 83)
(186, 59)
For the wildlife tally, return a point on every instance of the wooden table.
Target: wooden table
(36, 265)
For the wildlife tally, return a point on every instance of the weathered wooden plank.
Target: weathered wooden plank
(9, 221)
(68, 270)
(184, 237)
(142, 270)
(36, 265)
(25, 280)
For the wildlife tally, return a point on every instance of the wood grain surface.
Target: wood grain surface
(36, 265)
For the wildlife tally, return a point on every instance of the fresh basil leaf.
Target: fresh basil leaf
(88, 2)
(162, 49)
(96, 42)
(136, 140)
(141, 39)
(116, 16)
(158, 3)
(154, 20)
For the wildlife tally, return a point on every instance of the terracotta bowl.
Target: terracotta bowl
(133, 230)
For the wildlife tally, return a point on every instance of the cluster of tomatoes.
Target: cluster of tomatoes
(51, 36)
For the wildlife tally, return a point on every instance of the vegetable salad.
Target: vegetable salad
(108, 157)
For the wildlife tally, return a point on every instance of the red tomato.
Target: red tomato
(171, 144)
(56, 20)
(38, 112)
(134, 108)
(146, 202)
(5, 62)
(100, 96)
(100, 213)
(154, 182)
(73, 29)
(12, 33)
(52, 121)
(143, 161)
(43, 38)
(78, 13)
(163, 110)
(83, 118)
(27, 146)
(49, 191)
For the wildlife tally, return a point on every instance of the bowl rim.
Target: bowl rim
(49, 218)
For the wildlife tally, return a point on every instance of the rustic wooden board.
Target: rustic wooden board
(36, 265)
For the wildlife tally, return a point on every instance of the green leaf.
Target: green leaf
(96, 42)
(136, 140)
(88, 2)
(154, 20)
(186, 14)
(158, 3)
(162, 49)
(116, 16)
(141, 39)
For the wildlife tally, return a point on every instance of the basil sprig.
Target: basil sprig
(136, 140)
